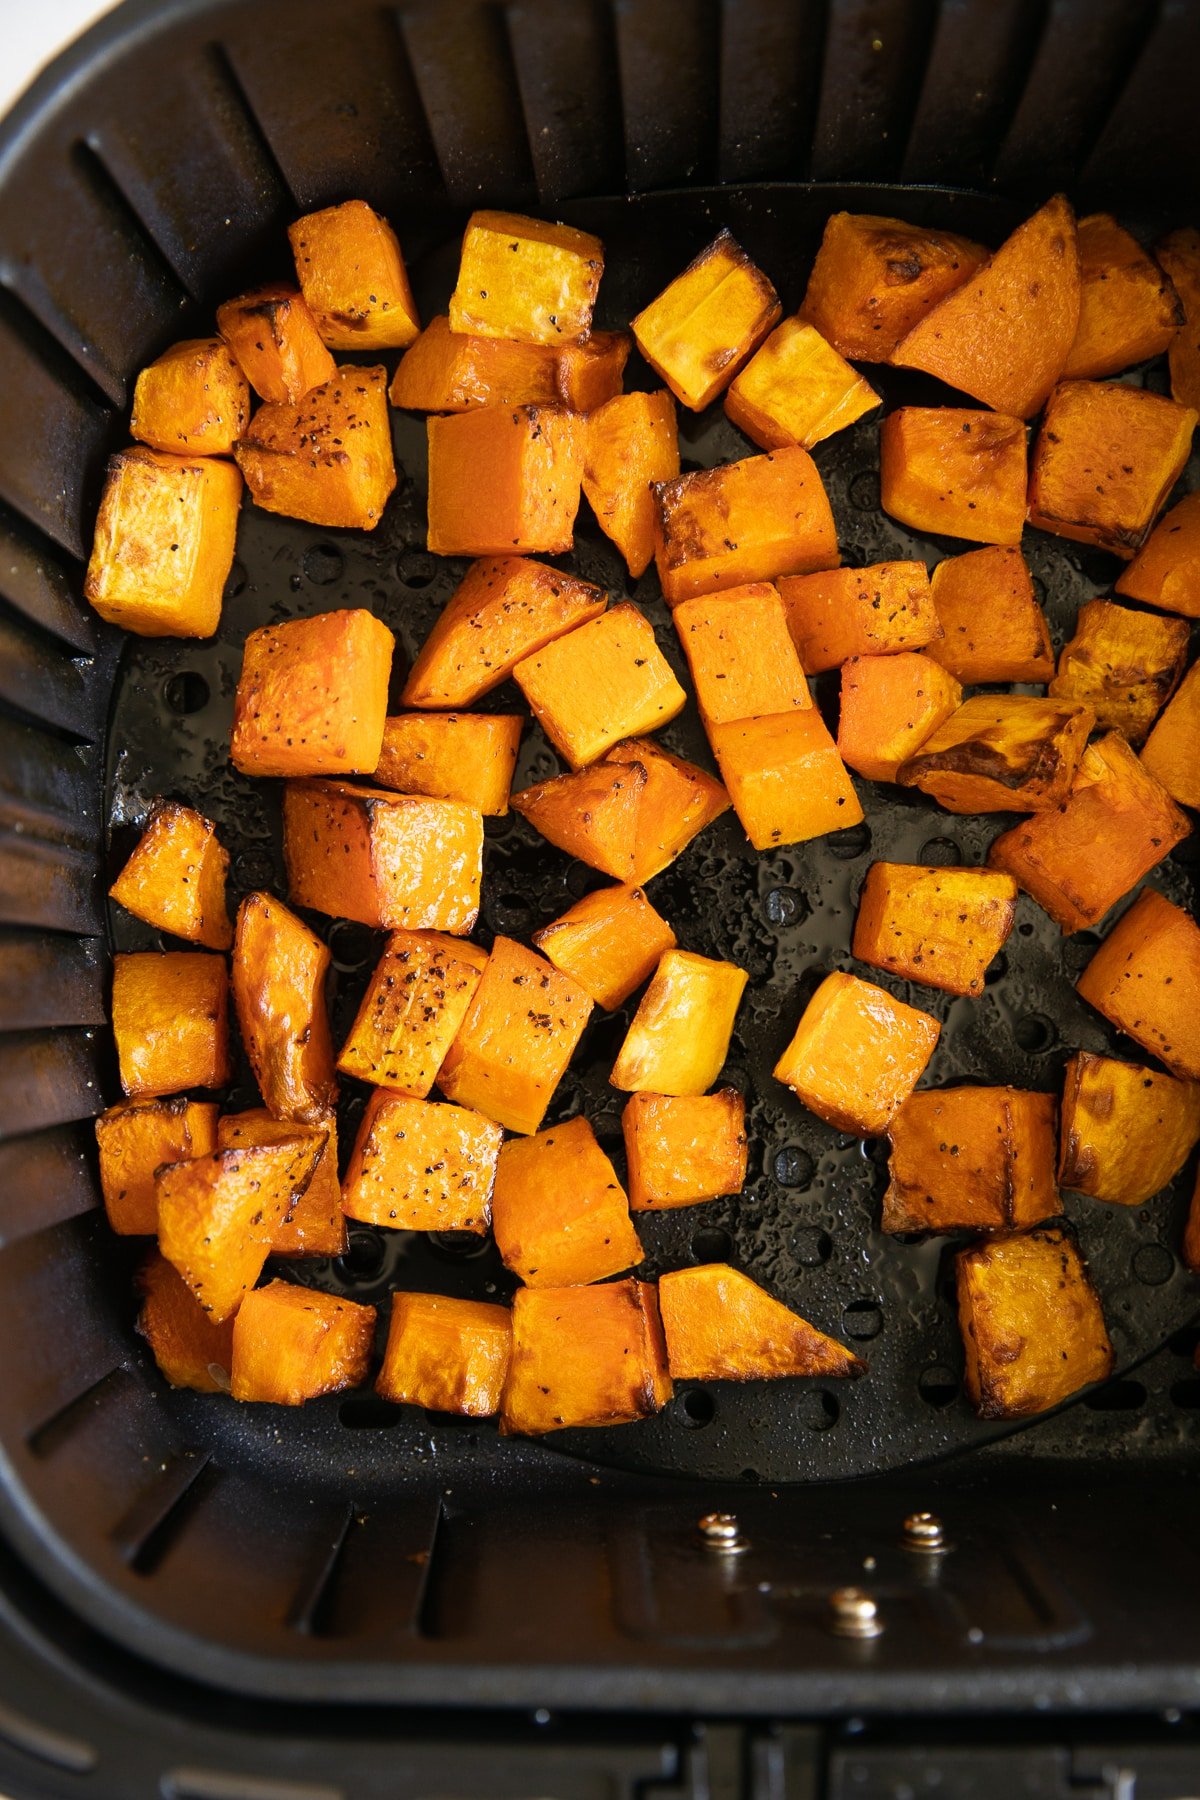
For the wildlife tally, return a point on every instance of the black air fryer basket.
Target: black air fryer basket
(222, 1603)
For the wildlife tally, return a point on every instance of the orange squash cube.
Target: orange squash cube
(875, 611)
(707, 322)
(992, 626)
(419, 1166)
(279, 976)
(292, 1344)
(452, 756)
(1002, 753)
(1166, 570)
(1126, 1130)
(526, 279)
(857, 1054)
(447, 372)
(1179, 255)
(679, 1036)
(631, 443)
(939, 926)
(682, 1149)
(520, 1032)
(796, 389)
(1032, 1325)
(450, 1356)
(175, 879)
(609, 943)
(584, 1356)
(391, 860)
(1172, 751)
(874, 278)
(191, 1350)
(316, 1225)
(744, 521)
(890, 706)
(312, 696)
(164, 543)
(1128, 309)
(1125, 665)
(274, 337)
(410, 1014)
(193, 399)
(559, 1215)
(721, 1326)
(504, 480)
(740, 653)
(170, 1021)
(134, 1138)
(602, 682)
(785, 778)
(1145, 979)
(326, 458)
(1106, 458)
(976, 1157)
(1191, 1231)
(953, 472)
(352, 273)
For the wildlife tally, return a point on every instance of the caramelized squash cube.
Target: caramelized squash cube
(352, 272)
(450, 1356)
(312, 696)
(1126, 1130)
(942, 927)
(279, 975)
(559, 1215)
(449, 371)
(702, 327)
(602, 682)
(410, 1014)
(740, 653)
(526, 279)
(682, 1149)
(1128, 309)
(1172, 751)
(679, 1036)
(875, 611)
(1166, 570)
(326, 458)
(170, 1021)
(993, 629)
(191, 1349)
(292, 1344)
(609, 943)
(631, 443)
(504, 480)
(1002, 753)
(979, 1157)
(785, 778)
(316, 1225)
(274, 337)
(955, 473)
(1179, 255)
(452, 756)
(584, 1356)
(873, 278)
(1125, 665)
(419, 1166)
(175, 879)
(192, 400)
(1032, 1326)
(857, 1054)
(1145, 979)
(590, 374)
(796, 389)
(721, 1326)
(890, 706)
(136, 1137)
(744, 521)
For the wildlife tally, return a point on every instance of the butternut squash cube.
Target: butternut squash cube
(292, 1344)
(1002, 753)
(682, 1149)
(1166, 570)
(1191, 1231)
(1106, 458)
(1145, 979)
(274, 337)
(1172, 751)
(1125, 665)
(740, 653)
(164, 543)
(414, 1004)
(452, 756)
(175, 879)
(1032, 1326)
(191, 1350)
(1179, 255)
(875, 611)
(874, 278)
(391, 860)
(955, 473)
(448, 371)
(631, 443)
(679, 1036)
(590, 374)
(326, 458)
(993, 629)
(602, 682)
(312, 696)
(891, 705)
(857, 1054)
(170, 1021)
(559, 1215)
(450, 1356)
(193, 399)
(721, 1326)
(796, 389)
(316, 1225)
(785, 778)
(520, 1032)
(979, 1157)
(354, 280)
(526, 279)
(942, 927)
(504, 480)
(707, 322)
(1128, 309)
(134, 1138)
(1126, 1130)
(744, 521)
(279, 975)
(419, 1166)
(609, 943)
(584, 1356)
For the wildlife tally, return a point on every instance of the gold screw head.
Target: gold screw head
(853, 1613)
(721, 1532)
(924, 1531)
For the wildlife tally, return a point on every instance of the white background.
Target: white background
(34, 31)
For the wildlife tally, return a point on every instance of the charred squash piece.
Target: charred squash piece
(354, 280)
(559, 1215)
(1002, 753)
(1128, 308)
(955, 473)
(312, 696)
(857, 1054)
(874, 278)
(136, 1137)
(526, 279)
(1126, 1130)
(450, 1356)
(609, 943)
(1125, 665)
(292, 1344)
(584, 1356)
(708, 322)
(327, 458)
(191, 400)
(993, 629)
(632, 443)
(605, 681)
(786, 780)
(1166, 570)
(876, 611)
(744, 521)
(420, 1166)
(976, 1157)
(683, 1149)
(279, 973)
(504, 480)
(1032, 1326)
(316, 1225)
(410, 1014)
(274, 337)
(452, 756)
(939, 926)
(891, 705)
(1145, 979)
(191, 1349)
(170, 1021)
(679, 1036)
(175, 879)
(721, 1326)
(796, 389)
(1172, 751)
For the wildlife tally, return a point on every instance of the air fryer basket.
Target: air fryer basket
(356, 1551)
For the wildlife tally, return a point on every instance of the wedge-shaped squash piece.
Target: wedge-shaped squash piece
(1106, 458)
(605, 681)
(175, 879)
(859, 612)
(292, 1344)
(939, 926)
(354, 280)
(1032, 1326)
(953, 472)
(526, 279)
(504, 480)
(979, 1157)
(192, 400)
(452, 756)
(1145, 979)
(1002, 753)
(395, 860)
(1114, 826)
(1166, 570)
(450, 1356)
(609, 942)
(1172, 751)
(449, 371)
(414, 1004)
(1004, 336)
(316, 1225)
(1128, 308)
(419, 1166)
(164, 543)
(857, 1054)
(326, 458)
(279, 974)
(1126, 1130)
(520, 1032)
(721, 1326)
(745, 521)
(796, 389)
(682, 1149)
(170, 1021)
(785, 778)
(992, 626)
(559, 1214)
(740, 653)
(874, 278)
(631, 443)
(191, 1350)
(1125, 665)
(584, 1356)
(1179, 255)
(891, 705)
(273, 335)
(679, 1036)
(134, 1138)
(312, 696)
(703, 327)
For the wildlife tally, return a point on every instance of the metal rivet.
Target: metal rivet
(924, 1531)
(722, 1533)
(853, 1614)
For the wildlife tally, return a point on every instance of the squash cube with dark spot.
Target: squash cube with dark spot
(1126, 1130)
(560, 1217)
(752, 520)
(191, 1349)
(134, 1138)
(679, 1036)
(526, 279)
(890, 707)
(1002, 753)
(584, 1356)
(1124, 664)
(326, 458)
(273, 335)
(175, 879)
(609, 942)
(602, 682)
(682, 1149)
(279, 975)
(976, 1157)
(701, 329)
(1179, 255)
(876, 611)
(352, 272)
(1128, 308)
(796, 389)
(786, 780)
(1166, 570)
(450, 1356)
(420, 1166)
(952, 472)
(191, 400)
(312, 696)
(316, 1225)
(939, 926)
(631, 443)
(1172, 751)
(857, 1054)
(1145, 979)
(292, 1344)
(415, 1002)
(504, 481)
(741, 656)
(993, 629)
(170, 1021)
(452, 756)
(721, 1326)
(873, 278)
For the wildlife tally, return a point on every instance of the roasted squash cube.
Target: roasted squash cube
(609, 942)
(857, 1054)
(1126, 1130)
(741, 656)
(955, 473)
(326, 458)
(939, 926)
(602, 682)
(1172, 751)
(707, 322)
(164, 543)
(1032, 1326)
(874, 278)
(875, 611)
(1179, 255)
(785, 778)
(559, 1214)
(1125, 665)
(192, 400)
(292, 1344)
(744, 521)
(684, 1148)
(1191, 1232)
(414, 1004)
(1166, 570)
(590, 374)
(1128, 309)
(631, 443)
(721, 1326)
(419, 1166)
(450, 1356)
(135, 1138)
(279, 974)
(316, 1225)
(504, 480)
(890, 706)
(979, 1157)
(354, 280)
(1145, 979)
(312, 696)
(1002, 753)
(191, 1349)
(584, 1356)
(170, 1021)
(448, 371)
(796, 389)
(992, 626)
(452, 756)
(395, 860)
(274, 337)
(175, 879)
(679, 1036)
(526, 279)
